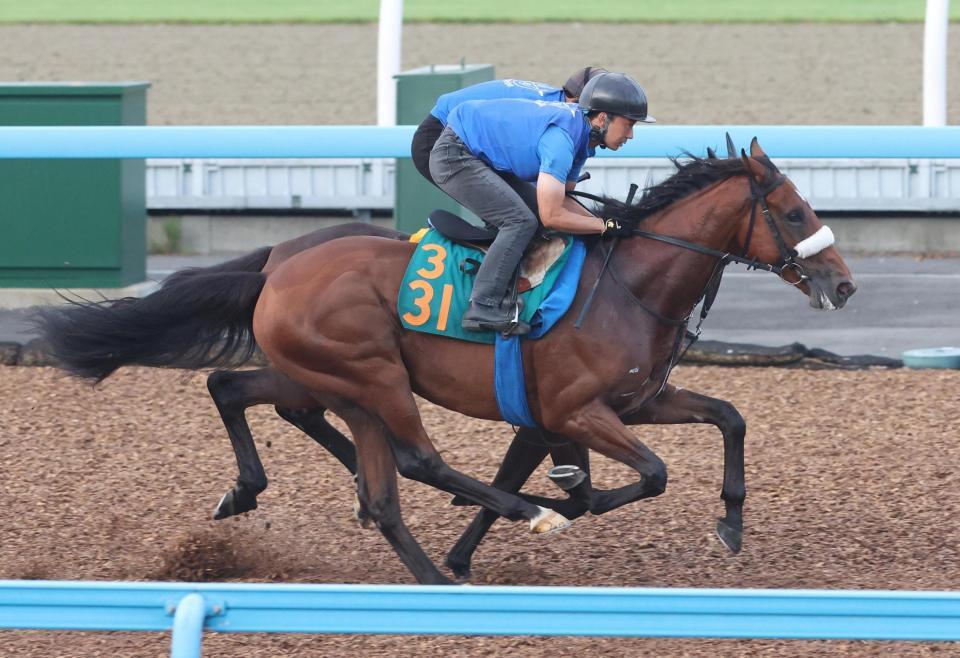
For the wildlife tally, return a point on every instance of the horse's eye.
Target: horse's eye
(795, 216)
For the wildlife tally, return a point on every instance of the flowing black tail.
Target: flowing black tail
(198, 318)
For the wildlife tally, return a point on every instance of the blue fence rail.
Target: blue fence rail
(394, 142)
(187, 609)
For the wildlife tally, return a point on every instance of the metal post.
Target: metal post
(188, 627)
(935, 63)
(388, 60)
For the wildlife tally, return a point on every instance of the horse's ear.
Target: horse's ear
(753, 167)
(755, 150)
(711, 154)
(731, 149)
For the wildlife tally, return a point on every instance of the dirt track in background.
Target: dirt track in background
(306, 74)
(851, 478)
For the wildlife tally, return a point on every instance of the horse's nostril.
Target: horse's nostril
(845, 290)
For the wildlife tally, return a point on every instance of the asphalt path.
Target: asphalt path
(901, 303)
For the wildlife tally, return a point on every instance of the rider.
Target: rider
(430, 128)
(489, 148)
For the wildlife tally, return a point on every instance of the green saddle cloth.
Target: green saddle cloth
(436, 287)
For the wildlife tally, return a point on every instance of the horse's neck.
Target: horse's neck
(671, 278)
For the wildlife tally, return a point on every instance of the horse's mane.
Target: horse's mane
(691, 175)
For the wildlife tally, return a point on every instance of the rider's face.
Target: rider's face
(620, 130)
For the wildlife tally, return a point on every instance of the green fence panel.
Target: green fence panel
(72, 223)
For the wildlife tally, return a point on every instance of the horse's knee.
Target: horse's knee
(655, 479)
(730, 421)
(417, 465)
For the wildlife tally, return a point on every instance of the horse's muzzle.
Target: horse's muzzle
(845, 291)
(829, 298)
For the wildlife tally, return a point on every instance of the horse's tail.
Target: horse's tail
(198, 318)
(252, 262)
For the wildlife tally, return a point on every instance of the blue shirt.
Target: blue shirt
(557, 155)
(515, 136)
(493, 90)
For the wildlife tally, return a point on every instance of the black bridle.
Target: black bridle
(758, 195)
(788, 255)
(786, 264)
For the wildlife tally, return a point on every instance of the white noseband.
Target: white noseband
(815, 243)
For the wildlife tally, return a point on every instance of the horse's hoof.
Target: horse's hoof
(731, 537)
(234, 503)
(438, 579)
(461, 572)
(548, 521)
(567, 476)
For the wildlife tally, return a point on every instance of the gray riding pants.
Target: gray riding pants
(499, 199)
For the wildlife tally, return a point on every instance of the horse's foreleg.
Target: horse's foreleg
(678, 406)
(233, 392)
(597, 427)
(379, 498)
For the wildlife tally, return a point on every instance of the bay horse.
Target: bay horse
(326, 318)
(233, 391)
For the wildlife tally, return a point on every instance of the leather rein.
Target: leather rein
(787, 267)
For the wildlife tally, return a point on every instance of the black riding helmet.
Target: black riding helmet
(618, 94)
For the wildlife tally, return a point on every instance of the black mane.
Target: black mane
(691, 176)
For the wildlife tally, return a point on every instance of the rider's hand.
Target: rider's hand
(615, 228)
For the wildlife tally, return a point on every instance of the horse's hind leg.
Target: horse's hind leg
(312, 423)
(233, 392)
(379, 498)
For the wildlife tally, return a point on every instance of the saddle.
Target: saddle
(543, 251)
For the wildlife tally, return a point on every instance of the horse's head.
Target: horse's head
(781, 228)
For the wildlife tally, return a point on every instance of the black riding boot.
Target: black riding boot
(504, 318)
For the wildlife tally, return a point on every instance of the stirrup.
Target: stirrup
(567, 476)
(507, 326)
(517, 326)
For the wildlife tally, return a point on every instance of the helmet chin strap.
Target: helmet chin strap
(600, 134)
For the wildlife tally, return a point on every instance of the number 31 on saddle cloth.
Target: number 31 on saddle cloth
(435, 293)
(436, 287)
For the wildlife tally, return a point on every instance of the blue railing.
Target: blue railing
(187, 609)
(380, 142)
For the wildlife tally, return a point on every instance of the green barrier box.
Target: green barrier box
(72, 223)
(417, 91)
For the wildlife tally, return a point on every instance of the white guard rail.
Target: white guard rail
(865, 185)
